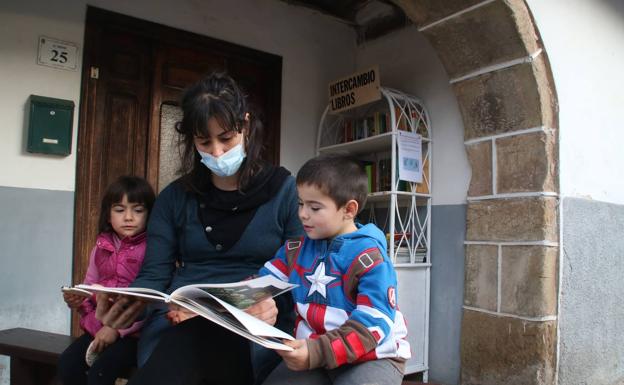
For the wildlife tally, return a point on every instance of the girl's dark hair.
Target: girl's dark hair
(340, 177)
(218, 96)
(135, 188)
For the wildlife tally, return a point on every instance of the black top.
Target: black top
(226, 214)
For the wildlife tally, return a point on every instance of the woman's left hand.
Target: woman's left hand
(265, 311)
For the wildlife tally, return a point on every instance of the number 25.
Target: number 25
(59, 56)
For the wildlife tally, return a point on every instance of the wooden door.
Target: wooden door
(131, 68)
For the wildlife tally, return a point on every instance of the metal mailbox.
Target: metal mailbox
(50, 125)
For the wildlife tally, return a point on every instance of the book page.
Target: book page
(219, 314)
(253, 324)
(239, 294)
(149, 294)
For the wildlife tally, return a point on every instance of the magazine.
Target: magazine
(222, 304)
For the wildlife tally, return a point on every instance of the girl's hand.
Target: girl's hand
(265, 311)
(118, 312)
(179, 314)
(298, 359)
(105, 337)
(73, 300)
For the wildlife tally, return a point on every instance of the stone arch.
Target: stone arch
(501, 76)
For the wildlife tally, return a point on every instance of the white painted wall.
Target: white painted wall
(583, 40)
(408, 63)
(315, 50)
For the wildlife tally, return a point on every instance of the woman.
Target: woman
(225, 217)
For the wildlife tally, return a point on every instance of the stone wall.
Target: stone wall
(502, 79)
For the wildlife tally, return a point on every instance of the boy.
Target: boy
(348, 329)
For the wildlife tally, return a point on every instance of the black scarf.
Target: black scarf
(226, 214)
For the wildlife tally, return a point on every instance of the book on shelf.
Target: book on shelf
(418, 123)
(347, 129)
(365, 127)
(402, 254)
(222, 304)
(371, 173)
(385, 174)
(401, 119)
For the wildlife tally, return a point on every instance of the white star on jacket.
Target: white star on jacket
(319, 280)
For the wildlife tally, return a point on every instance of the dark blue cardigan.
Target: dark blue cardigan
(175, 233)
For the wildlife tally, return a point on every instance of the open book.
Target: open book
(219, 303)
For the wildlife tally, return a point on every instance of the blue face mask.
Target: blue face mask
(227, 164)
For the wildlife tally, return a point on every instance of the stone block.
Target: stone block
(492, 34)
(526, 162)
(423, 12)
(480, 158)
(518, 219)
(511, 99)
(529, 280)
(503, 350)
(481, 277)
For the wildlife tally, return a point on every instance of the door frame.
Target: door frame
(86, 204)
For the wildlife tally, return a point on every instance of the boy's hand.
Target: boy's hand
(73, 300)
(298, 359)
(265, 311)
(105, 337)
(179, 314)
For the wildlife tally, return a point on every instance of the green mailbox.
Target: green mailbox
(50, 125)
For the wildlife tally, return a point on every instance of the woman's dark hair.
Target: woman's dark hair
(339, 176)
(135, 188)
(218, 96)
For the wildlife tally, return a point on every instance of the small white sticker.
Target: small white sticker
(50, 141)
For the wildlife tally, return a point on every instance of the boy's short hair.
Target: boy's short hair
(339, 176)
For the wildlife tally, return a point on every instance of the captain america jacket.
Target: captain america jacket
(346, 301)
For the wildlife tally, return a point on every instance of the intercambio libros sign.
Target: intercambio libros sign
(354, 90)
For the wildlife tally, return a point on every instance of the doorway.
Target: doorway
(134, 73)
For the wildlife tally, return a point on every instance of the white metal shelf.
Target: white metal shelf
(365, 146)
(407, 214)
(380, 196)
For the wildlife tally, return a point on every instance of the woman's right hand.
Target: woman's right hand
(118, 312)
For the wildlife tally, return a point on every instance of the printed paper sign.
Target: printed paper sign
(410, 156)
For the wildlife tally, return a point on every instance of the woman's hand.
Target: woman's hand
(265, 311)
(105, 337)
(179, 314)
(298, 359)
(73, 300)
(118, 312)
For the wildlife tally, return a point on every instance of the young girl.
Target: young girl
(114, 262)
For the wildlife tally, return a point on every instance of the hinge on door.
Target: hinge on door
(95, 72)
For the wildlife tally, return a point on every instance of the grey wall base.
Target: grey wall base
(36, 233)
(448, 231)
(591, 317)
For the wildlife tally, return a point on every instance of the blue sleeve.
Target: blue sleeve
(290, 212)
(278, 266)
(162, 243)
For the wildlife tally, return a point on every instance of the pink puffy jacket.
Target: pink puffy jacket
(113, 262)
